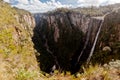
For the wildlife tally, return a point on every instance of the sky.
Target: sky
(40, 6)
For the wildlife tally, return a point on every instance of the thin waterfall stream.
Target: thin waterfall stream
(96, 38)
(86, 42)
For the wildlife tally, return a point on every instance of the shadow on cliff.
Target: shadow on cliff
(62, 53)
(44, 58)
(60, 39)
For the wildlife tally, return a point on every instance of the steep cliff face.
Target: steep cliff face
(62, 36)
(16, 48)
(26, 21)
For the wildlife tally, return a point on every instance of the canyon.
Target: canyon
(67, 39)
(63, 44)
(63, 40)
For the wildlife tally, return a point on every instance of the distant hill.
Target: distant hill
(89, 11)
(97, 11)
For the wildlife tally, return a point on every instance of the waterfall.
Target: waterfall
(86, 42)
(96, 38)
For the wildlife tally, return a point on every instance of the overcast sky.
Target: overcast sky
(35, 6)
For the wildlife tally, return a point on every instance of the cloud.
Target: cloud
(35, 6)
(73, 2)
(96, 2)
(88, 2)
(113, 1)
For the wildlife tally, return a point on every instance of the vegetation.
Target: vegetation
(16, 48)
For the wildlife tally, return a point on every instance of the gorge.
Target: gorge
(67, 39)
(64, 39)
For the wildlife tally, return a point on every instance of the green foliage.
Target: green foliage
(6, 14)
(6, 42)
(23, 74)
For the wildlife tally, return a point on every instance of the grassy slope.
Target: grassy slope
(17, 59)
(109, 71)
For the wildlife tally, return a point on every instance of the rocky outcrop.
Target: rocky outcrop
(26, 20)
